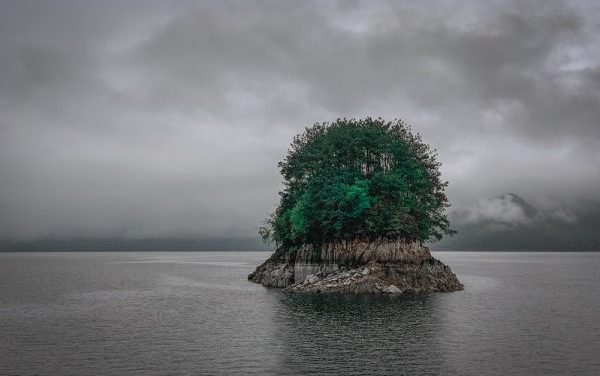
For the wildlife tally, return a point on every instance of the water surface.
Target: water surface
(195, 313)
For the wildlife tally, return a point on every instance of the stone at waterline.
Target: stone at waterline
(392, 289)
(357, 267)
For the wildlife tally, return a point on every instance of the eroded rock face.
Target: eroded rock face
(277, 271)
(357, 267)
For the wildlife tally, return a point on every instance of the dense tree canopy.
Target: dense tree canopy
(366, 179)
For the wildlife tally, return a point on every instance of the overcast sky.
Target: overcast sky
(167, 119)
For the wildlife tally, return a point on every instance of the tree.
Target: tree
(366, 179)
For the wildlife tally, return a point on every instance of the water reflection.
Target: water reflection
(332, 334)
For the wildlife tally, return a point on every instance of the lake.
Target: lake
(160, 313)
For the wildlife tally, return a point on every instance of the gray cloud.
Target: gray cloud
(166, 119)
(509, 222)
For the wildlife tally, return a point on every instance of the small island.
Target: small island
(360, 198)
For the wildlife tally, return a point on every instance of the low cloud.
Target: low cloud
(509, 222)
(507, 210)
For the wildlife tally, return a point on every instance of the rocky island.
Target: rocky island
(360, 198)
(357, 268)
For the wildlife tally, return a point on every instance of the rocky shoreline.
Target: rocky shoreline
(357, 268)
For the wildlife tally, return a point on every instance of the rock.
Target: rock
(311, 278)
(393, 267)
(392, 289)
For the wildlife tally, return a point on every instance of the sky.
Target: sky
(166, 119)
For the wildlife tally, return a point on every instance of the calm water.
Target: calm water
(195, 313)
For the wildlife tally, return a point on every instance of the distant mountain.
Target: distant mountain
(509, 222)
(115, 244)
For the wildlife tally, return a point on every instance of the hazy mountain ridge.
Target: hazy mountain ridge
(507, 222)
(116, 244)
(510, 222)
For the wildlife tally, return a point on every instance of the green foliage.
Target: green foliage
(358, 179)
